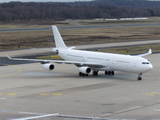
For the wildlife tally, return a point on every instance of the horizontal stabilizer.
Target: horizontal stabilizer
(42, 49)
(71, 47)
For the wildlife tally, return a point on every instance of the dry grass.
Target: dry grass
(106, 35)
(15, 40)
(28, 39)
(132, 49)
(33, 24)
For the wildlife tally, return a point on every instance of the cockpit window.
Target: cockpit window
(145, 62)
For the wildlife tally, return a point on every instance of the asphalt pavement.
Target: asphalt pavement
(80, 27)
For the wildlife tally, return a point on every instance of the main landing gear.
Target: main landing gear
(95, 73)
(82, 74)
(139, 76)
(109, 72)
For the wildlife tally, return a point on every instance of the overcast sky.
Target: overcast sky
(1, 1)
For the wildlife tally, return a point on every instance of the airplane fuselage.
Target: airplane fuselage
(110, 61)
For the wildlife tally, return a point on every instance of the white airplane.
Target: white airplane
(88, 61)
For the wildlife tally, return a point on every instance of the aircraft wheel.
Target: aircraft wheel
(106, 72)
(112, 72)
(83, 74)
(95, 73)
(139, 78)
(80, 74)
(109, 72)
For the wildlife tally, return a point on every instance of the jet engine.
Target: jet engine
(85, 70)
(48, 66)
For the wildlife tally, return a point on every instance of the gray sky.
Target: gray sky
(1, 1)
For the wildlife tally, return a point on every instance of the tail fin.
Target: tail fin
(58, 39)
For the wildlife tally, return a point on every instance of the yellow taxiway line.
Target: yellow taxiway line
(18, 71)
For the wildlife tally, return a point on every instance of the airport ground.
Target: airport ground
(29, 90)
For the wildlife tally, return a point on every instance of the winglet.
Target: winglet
(8, 57)
(149, 52)
(42, 49)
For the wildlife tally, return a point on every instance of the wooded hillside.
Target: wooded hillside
(21, 11)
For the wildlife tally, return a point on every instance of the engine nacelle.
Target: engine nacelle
(85, 70)
(48, 66)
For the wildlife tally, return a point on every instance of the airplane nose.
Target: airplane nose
(150, 67)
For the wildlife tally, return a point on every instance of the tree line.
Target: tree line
(26, 11)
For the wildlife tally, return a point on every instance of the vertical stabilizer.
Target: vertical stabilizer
(58, 39)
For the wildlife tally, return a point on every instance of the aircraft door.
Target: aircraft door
(113, 61)
(135, 63)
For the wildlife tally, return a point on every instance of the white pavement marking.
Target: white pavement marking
(2, 98)
(157, 110)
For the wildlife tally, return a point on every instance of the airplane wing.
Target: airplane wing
(35, 117)
(83, 117)
(149, 52)
(93, 64)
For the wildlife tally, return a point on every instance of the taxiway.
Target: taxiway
(80, 27)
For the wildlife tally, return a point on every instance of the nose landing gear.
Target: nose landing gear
(139, 76)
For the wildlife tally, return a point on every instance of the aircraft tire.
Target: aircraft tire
(80, 74)
(106, 72)
(109, 72)
(95, 73)
(139, 78)
(112, 72)
(83, 74)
